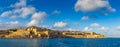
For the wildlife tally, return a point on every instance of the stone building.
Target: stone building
(79, 34)
(38, 32)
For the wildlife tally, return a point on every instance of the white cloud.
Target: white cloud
(24, 12)
(85, 18)
(21, 3)
(91, 5)
(33, 23)
(36, 18)
(118, 28)
(87, 29)
(27, 11)
(44, 26)
(110, 9)
(71, 29)
(13, 17)
(9, 25)
(6, 14)
(56, 12)
(39, 15)
(20, 9)
(20, 12)
(60, 24)
(103, 29)
(12, 23)
(95, 25)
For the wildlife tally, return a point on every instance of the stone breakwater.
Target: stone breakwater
(37, 32)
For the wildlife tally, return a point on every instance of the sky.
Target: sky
(100, 16)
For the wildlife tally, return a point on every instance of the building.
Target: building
(38, 32)
(79, 34)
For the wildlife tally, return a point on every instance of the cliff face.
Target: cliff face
(36, 32)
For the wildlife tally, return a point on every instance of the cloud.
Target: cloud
(60, 24)
(22, 12)
(33, 23)
(36, 18)
(12, 23)
(39, 15)
(110, 9)
(85, 18)
(71, 29)
(56, 12)
(87, 29)
(95, 25)
(118, 28)
(9, 25)
(25, 11)
(21, 3)
(91, 5)
(20, 9)
(103, 29)
(44, 26)
(5, 14)
(13, 17)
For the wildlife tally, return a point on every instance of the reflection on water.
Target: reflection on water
(18, 43)
(60, 42)
(34, 43)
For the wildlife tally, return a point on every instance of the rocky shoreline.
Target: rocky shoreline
(38, 32)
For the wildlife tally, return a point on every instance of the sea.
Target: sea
(61, 42)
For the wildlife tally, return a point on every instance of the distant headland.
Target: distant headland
(38, 32)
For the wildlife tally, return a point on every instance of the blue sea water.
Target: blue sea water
(61, 42)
